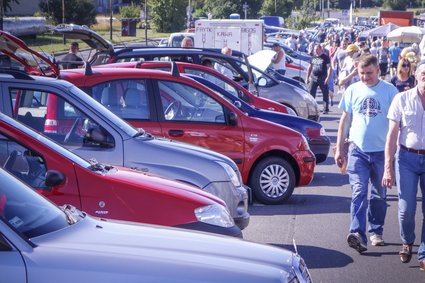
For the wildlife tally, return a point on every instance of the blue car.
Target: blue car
(313, 131)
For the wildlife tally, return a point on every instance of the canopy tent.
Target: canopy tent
(379, 31)
(409, 34)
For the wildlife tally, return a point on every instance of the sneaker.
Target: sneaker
(354, 241)
(376, 240)
(405, 253)
(332, 102)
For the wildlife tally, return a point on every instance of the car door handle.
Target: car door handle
(176, 133)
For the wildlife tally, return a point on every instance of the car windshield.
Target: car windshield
(26, 211)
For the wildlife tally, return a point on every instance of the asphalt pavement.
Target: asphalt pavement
(317, 218)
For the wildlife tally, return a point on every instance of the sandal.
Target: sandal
(405, 253)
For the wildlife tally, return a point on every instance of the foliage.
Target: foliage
(131, 11)
(81, 12)
(168, 15)
(304, 18)
(222, 9)
(7, 3)
(281, 8)
(396, 4)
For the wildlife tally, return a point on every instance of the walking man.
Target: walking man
(406, 129)
(318, 75)
(364, 124)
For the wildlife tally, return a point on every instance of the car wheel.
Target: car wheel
(273, 180)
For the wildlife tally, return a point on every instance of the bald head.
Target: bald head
(226, 51)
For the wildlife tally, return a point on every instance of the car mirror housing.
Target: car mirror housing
(54, 178)
(98, 136)
(233, 119)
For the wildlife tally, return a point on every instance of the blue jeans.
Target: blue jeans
(410, 170)
(363, 167)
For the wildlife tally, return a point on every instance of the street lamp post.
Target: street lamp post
(245, 8)
(110, 20)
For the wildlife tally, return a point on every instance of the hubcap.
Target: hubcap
(274, 180)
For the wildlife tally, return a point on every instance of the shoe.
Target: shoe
(332, 102)
(354, 241)
(406, 253)
(376, 240)
(422, 265)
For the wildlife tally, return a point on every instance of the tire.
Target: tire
(272, 180)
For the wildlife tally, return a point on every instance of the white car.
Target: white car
(41, 243)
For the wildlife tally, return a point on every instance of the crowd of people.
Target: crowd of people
(380, 140)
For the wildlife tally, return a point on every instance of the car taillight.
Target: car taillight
(313, 133)
(50, 126)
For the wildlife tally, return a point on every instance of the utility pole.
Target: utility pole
(146, 22)
(63, 19)
(110, 20)
(245, 7)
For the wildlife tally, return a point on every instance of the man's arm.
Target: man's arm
(343, 129)
(388, 179)
(307, 79)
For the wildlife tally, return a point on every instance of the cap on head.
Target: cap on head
(352, 48)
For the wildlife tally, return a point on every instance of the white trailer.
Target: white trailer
(242, 35)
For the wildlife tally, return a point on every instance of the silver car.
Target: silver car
(41, 243)
(44, 103)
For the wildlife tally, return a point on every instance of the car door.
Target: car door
(12, 266)
(192, 115)
(131, 99)
(65, 119)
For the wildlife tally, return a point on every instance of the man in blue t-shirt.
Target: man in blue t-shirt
(364, 124)
(394, 51)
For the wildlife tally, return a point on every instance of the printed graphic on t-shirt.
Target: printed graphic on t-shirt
(370, 107)
(318, 69)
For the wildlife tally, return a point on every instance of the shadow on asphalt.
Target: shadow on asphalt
(316, 257)
(329, 178)
(303, 205)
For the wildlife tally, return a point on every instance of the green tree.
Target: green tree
(5, 8)
(222, 9)
(81, 12)
(168, 15)
(281, 8)
(304, 18)
(396, 4)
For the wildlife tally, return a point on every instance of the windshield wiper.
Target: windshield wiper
(72, 214)
(96, 166)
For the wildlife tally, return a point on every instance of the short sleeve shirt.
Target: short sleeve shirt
(319, 66)
(407, 110)
(369, 108)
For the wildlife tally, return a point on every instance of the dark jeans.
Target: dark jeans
(325, 91)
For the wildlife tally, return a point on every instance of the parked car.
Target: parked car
(264, 85)
(208, 72)
(176, 107)
(314, 132)
(175, 39)
(88, 129)
(107, 191)
(43, 243)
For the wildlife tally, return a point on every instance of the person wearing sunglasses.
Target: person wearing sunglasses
(403, 79)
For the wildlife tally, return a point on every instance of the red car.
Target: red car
(196, 69)
(273, 159)
(107, 191)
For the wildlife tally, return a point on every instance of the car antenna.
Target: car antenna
(174, 69)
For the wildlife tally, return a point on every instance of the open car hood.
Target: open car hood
(85, 34)
(261, 59)
(24, 57)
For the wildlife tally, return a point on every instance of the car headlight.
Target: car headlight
(234, 177)
(215, 214)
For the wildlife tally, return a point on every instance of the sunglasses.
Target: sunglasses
(405, 65)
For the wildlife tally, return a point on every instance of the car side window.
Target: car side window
(128, 99)
(213, 78)
(23, 163)
(57, 118)
(182, 102)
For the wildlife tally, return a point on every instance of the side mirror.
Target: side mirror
(262, 82)
(238, 104)
(96, 135)
(233, 119)
(54, 178)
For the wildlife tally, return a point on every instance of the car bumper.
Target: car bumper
(320, 148)
(236, 199)
(233, 231)
(306, 162)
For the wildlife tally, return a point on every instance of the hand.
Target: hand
(388, 179)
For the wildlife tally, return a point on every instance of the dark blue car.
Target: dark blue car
(314, 132)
